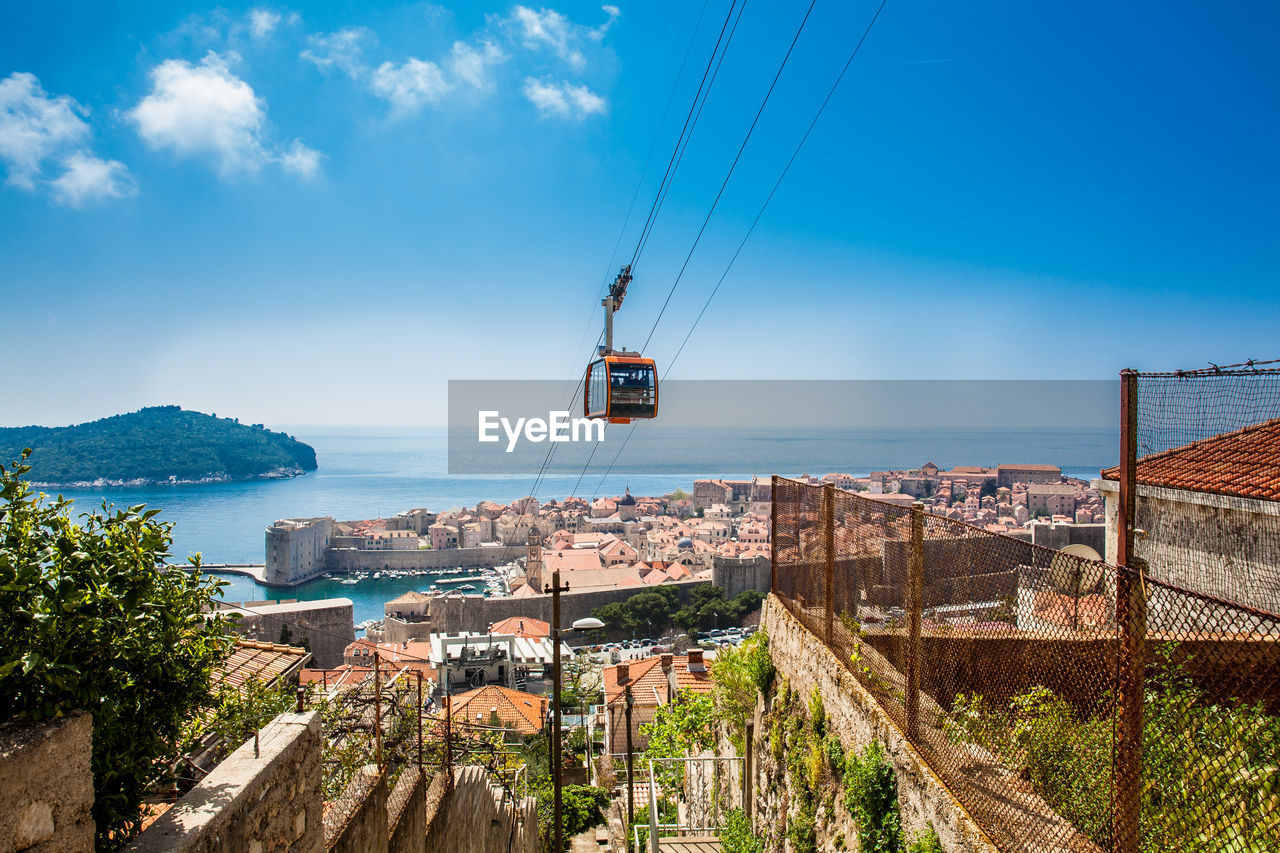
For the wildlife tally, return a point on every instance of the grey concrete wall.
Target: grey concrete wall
(265, 802)
(357, 821)
(474, 613)
(328, 626)
(1214, 544)
(474, 818)
(46, 786)
(736, 575)
(1059, 536)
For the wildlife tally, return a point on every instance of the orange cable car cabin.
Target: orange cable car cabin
(621, 388)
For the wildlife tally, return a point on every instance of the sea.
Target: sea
(373, 472)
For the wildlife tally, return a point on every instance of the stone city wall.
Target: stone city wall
(327, 625)
(453, 613)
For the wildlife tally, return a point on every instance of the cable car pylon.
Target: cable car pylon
(620, 386)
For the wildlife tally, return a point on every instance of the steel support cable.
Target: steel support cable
(830, 92)
(701, 230)
(635, 193)
(778, 183)
(729, 174)
(665, 191)
(644, 171)
(666, 175)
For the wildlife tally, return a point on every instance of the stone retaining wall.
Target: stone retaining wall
(46, 786)
(855, 716)
(268, 801)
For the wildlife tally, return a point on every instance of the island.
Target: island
(155, 445)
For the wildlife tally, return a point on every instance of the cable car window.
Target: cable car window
(632, 393)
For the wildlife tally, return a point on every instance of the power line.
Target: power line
(729, 174)
(778, 183)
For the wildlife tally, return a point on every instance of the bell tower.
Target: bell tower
(533, 560)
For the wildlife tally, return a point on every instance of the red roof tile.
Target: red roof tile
(524, 711)
(1244, 463)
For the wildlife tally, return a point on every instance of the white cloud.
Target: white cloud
(562, 99)
(205, 110)
(88, 179)
(548, 28)
(471, 64)
(263, 22)
(301, 160)
(35, 126)
(613, 12)
(342, 50)
(410, 85)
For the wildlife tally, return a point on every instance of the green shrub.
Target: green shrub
(871, 795)
(95, 619)
(1210, 772)
(817, 712)
(835, 754)
(927, 842)
(738, 836)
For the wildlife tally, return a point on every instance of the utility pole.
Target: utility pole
(631, 771)
(555, 589)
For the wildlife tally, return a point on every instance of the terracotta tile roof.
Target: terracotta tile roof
(524, 711)
(410, 597)
(522, 626)
(263, 661)
(647, 678)
(1244, 463)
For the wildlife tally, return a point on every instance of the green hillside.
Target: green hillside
(157, 444)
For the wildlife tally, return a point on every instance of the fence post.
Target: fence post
(1131, 625)
(773, 535)
(914, 604)
(746, 770)
(377, 705)
(829, 545)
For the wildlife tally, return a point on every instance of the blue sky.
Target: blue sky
(320, 214)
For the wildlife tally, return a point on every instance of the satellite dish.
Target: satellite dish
(1076, 569)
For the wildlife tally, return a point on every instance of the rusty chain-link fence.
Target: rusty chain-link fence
(1072, 704)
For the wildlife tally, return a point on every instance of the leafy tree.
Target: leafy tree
(154, 444)
(988, 489)
(95, 620)
(738, 675)
(678, 728)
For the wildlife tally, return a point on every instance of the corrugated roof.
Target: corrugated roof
(266, 662)
(1244, 463)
